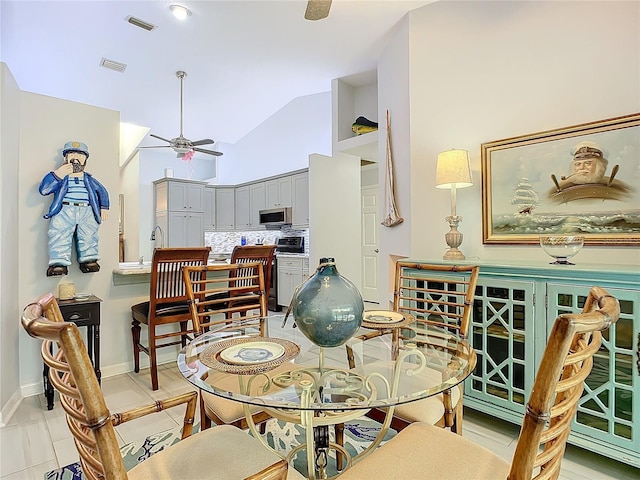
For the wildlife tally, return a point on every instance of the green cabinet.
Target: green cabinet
(514, 308)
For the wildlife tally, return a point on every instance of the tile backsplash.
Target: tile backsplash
(223, 242)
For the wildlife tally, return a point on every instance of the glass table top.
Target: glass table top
(285, 370)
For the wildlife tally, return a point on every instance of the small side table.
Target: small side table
(84, 313)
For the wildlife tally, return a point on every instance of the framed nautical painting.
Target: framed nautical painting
(580, 180)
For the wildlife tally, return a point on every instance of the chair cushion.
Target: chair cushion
(222, 452)
(424, 451)
(140, 311)
(227, 411)
(430, 410)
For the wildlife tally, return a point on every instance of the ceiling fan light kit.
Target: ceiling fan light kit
(180, 144)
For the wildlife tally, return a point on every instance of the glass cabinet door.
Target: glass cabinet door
(502, 334)
(606, 410)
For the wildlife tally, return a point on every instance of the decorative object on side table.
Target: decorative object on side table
(561, 247)
(328, 307)
(453, 172)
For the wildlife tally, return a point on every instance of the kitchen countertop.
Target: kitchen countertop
(134, 272)
(287, 254)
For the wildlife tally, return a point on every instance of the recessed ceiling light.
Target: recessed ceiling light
(180, 12)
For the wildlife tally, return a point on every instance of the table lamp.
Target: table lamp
(453, 172)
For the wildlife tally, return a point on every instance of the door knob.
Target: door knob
(376, 250)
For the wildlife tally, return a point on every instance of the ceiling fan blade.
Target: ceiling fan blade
(317, 9)
(210, 152)
(159, 138)
(204, 141)
(157, 146)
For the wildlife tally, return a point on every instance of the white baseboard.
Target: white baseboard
(10, 408)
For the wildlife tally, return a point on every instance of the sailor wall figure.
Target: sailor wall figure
(80, 204)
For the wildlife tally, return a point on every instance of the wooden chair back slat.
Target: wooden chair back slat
(558, 387)
(434, 297)
(214, 295)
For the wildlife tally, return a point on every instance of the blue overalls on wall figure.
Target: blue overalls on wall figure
(80, 204)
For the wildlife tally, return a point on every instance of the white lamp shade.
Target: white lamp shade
(453, 169)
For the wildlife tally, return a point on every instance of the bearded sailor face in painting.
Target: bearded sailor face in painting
(588, 165)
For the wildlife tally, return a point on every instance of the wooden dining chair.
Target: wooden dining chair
(232, 296)
(440, 295)
(552, 406)
(167, 305)
(222, 452)
(247, 254)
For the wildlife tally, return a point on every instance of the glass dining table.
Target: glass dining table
(296, 381)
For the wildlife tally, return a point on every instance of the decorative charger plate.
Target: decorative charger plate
(252, 353)
(378, 319)
(249, 355)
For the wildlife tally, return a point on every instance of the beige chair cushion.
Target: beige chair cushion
(422, 451)
(222, 452)
(430, 410)
(226, 410)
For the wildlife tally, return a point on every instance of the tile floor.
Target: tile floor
(36, 441)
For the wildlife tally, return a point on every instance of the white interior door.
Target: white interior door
(369, 202)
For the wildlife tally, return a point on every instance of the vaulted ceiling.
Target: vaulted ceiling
(244, 59)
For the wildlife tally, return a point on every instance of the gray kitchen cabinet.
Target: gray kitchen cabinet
(292, 271)
(278, 192)
(179, 210)
(209, 208)
(225, 209)
(250, 199)
(300, 203)
(243, 207)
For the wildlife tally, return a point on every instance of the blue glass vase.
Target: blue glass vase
(328, 307)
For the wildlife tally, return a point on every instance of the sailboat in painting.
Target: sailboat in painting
(525, 198)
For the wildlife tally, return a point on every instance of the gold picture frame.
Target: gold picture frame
(578, 180)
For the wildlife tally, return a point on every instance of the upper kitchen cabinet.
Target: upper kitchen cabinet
(278, 192)
(250, 199)
(179, 210)
(352, 97)
(175, 195)
(300, 204)
(209, 208)
(225, 208)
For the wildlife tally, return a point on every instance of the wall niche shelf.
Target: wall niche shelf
(352, 97)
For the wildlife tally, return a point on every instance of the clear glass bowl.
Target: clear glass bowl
(561, 247)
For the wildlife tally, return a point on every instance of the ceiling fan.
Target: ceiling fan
(180, 144)
(317, 9)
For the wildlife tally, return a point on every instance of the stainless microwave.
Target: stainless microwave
(274, 217)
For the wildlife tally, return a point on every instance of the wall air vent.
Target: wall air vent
(112, 65)
(140, 23)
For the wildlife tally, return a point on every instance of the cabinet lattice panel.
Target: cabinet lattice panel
(502, 334)
(606, 407)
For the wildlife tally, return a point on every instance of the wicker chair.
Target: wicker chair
(198, 456)
(167, 305)
(218, 294)
(551, 408)
(440, 295)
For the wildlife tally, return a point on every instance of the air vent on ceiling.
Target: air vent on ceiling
(140, 23)
(112, 64)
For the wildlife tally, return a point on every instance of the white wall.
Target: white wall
(9, 242)
(483, 71)
(393, 95)
(283, 142)
(45, 125)
(334, 207)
